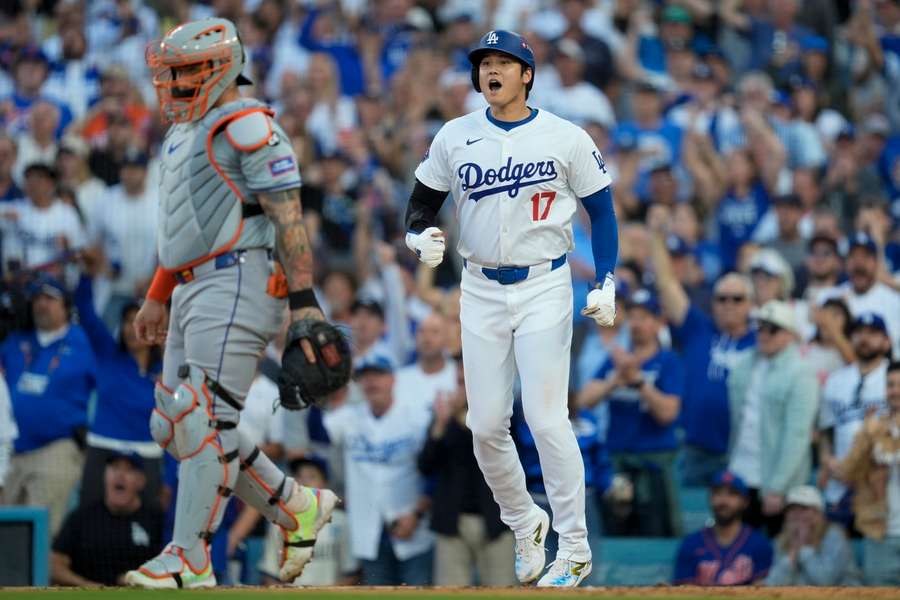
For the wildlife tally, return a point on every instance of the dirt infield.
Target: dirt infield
(385, 593)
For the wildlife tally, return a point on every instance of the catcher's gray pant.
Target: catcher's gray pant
(219, 325)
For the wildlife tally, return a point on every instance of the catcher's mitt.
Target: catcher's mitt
(301, 383)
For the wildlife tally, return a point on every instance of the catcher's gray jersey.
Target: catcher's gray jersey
(209, 169)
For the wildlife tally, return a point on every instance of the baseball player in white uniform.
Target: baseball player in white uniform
(230, 197)
(515, 173)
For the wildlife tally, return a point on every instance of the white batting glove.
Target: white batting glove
(601, 303)
(428, 245)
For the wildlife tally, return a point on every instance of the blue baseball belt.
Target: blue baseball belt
(507, 275)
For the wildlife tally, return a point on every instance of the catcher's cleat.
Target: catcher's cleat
(298, 544)
(170, 570)
(565, 573)
(530, 554)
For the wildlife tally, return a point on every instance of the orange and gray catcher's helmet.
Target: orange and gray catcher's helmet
(193, 65)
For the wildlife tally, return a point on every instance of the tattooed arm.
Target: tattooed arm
(291, 244)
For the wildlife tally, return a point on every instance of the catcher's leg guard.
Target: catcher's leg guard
(300, 512)
(198, 427)
(263, 486)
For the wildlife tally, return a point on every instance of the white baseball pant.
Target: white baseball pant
(526, 325)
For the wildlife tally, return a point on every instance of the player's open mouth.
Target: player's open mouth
(494, 85)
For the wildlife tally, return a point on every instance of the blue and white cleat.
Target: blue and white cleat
(565, 573)
(530, 553)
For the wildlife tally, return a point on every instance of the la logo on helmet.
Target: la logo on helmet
(492, 38)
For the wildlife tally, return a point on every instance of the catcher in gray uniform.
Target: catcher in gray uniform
(232, 246)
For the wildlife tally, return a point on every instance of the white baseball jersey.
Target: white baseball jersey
(516, 190)
(845, 402)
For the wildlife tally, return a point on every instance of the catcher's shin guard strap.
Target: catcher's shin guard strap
(187, 372)
(246, 463)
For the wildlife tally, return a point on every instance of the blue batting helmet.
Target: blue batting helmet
(507, 42)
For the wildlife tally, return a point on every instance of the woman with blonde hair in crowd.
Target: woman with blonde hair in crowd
(810, 550)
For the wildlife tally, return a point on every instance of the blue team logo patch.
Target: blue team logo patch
(282, 165)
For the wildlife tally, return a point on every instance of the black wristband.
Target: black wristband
(302, 299)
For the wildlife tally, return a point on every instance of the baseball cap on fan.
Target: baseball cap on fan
(778, 313)
(870, 320)
(373, 363)
(805, 495)
(730, 480)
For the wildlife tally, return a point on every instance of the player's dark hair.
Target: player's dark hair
(894, 365)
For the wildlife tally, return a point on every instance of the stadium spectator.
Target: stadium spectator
(100, 542)
(658, 139)
(470, 537)
(127, 371)
(29, 70)
(810, 550)
(334, 564)
(50, 371)
(386, 505)
(8, 153)
(38, 143)
(105, 160)
(576, 99)
(124, 228)
(771, 275)
(709, 348)
(71, 164)
(643, 389)
(433, 375)
(863, 291)
(872, 470)
(773, 395)
(830, 348)
(822, 269)
(8, 433)
(789, 242)
(729, 552)
(849, 396)
(40, 230)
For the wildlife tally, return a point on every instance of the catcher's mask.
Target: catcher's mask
(193, 65)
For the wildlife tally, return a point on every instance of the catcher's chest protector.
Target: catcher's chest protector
(201, 189)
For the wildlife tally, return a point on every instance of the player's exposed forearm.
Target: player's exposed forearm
(291, 241)
(423, 208)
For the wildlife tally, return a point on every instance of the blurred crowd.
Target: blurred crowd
(755, 153)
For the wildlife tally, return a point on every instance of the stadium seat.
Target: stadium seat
(694, 508)
(636, 561)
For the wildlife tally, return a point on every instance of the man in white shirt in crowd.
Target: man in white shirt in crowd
(576, 99)
(849, 396)
(386, 506)
(39, 229)
(125, 229)
(864, 293)
(432, 375)
(38, 143)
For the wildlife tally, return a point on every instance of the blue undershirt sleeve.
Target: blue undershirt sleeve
(604, 231)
